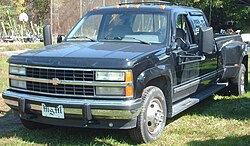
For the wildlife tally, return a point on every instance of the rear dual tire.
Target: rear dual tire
(238, 85)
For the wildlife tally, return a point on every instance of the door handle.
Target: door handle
(203, 58)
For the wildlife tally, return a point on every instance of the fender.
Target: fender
(152, 73)
(232, 53)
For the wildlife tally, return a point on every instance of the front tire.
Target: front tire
(152, 119)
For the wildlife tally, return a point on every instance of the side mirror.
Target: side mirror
(60, 38)
(185, 45)
(206, 40)
(47, 37)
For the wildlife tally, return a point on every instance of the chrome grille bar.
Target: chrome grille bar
(71, 96)
(75, 75)
(61, 89)
(67, 82)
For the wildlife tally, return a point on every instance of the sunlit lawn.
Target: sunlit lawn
(19, 46)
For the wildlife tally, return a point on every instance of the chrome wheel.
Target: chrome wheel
(155, 116)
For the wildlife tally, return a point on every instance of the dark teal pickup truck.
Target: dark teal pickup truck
(131, 66)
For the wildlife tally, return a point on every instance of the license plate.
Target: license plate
(53, 112)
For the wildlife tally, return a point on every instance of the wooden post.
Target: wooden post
(4, 30)
(32, 28)
(81, 7)
(51, 17)
(103, 3)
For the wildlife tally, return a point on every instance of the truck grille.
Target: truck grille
(65, 82)
(60, 74)
(61, 89)
(71, 75)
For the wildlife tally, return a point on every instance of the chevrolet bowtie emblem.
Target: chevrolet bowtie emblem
(55, 81)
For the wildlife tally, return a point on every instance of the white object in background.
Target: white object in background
(246, 37)
(238, 31)
(23, 17)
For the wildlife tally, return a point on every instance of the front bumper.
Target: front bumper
(78, 112)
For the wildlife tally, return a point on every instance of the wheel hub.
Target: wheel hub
(155, 116)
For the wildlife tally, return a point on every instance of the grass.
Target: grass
(19, 46)
(219, 120)
(3, 73)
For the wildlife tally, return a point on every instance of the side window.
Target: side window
(197, 22)
(182, 28)
(181, 23)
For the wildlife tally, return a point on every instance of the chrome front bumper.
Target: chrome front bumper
(100, 109)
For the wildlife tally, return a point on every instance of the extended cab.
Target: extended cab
(130, 66)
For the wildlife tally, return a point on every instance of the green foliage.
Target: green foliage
(11, 9)
(42, 7)
(223, 11)
(9, 12)
(38, 9)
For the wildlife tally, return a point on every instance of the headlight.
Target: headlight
(17, 70)
(18, 84)
(113, 91)
(122, 76)
(110, 76)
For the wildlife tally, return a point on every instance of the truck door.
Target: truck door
(188, 60)
(208, 66)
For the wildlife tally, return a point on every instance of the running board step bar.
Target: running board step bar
(196, 98)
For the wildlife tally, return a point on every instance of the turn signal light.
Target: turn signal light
(129, 77)
(137, 6)
(95, 8)
(162, 7)
(129, 91)
(126, 6)
(117, 6)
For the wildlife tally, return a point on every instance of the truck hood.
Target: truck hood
(86, 55)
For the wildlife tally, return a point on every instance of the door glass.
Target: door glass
(182, 30)
(197, 22)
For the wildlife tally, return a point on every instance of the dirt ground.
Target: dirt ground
(8, 122)
(7, 119)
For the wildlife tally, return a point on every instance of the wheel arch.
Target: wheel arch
(233, 55)
(161, 78)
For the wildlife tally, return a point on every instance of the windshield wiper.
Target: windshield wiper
(141, 41)
(83, 37)
(120, 38)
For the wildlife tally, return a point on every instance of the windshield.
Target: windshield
(138, 27)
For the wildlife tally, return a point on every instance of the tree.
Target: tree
(222, 12)
(9, 12)
(38, 10)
